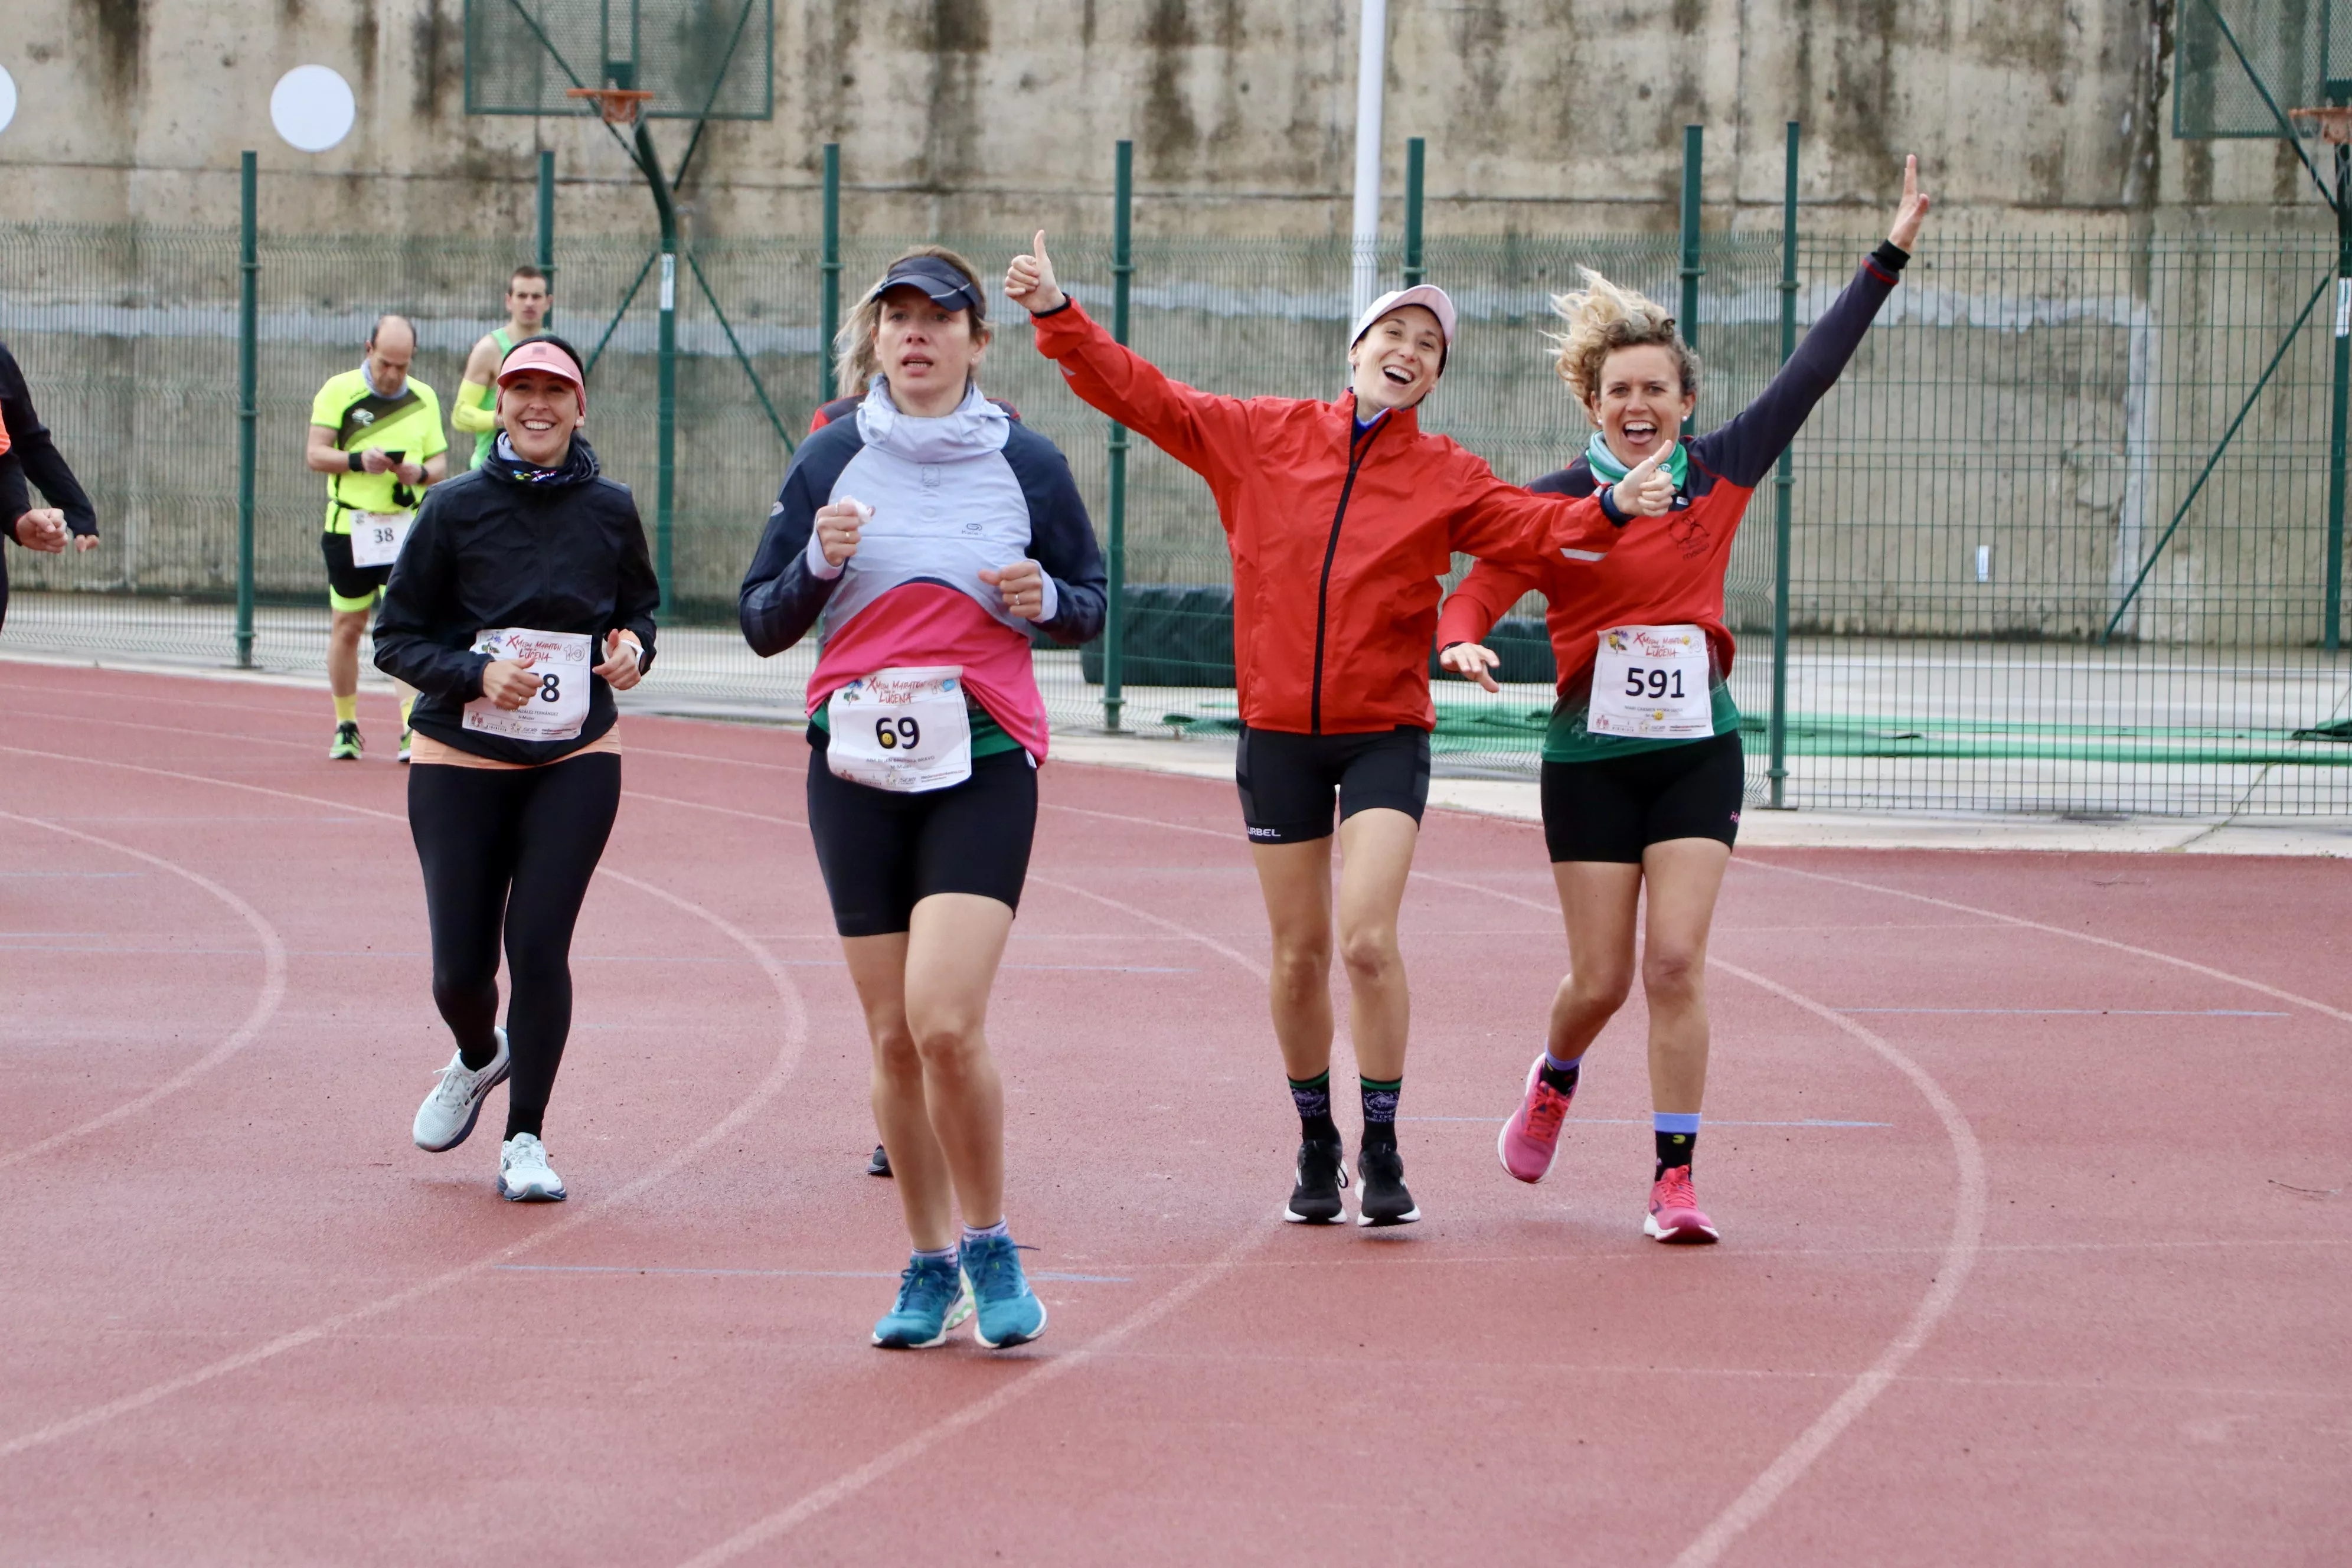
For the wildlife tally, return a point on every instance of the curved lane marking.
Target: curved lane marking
(1959, 1257)
(2108, 942)
(810, 1504)
(787, 1061)
(265, 1005)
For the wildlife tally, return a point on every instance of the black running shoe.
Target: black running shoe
(1385, 1200)
(879, 1164)
(1322, 1171)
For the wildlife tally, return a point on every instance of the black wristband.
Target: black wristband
(1890, 256)
(355, 462)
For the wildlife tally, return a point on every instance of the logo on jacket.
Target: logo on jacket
(1691, 535)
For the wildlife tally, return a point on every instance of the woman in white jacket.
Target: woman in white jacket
(930, 532)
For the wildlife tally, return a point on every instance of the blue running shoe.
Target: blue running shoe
(1010, 1312)
(932, 1300)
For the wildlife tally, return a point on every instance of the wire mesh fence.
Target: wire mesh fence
(2021, 579)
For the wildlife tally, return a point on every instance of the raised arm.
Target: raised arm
(1744, 448)
(1206, 433)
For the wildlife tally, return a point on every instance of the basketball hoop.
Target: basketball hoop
(619, 105)
(2335, 123)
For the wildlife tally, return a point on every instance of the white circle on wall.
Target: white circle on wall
(7, 97)
(312, 108)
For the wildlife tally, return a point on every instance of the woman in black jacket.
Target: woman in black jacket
(521, 600)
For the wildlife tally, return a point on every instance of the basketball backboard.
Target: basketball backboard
(2300, 49)
(700, 59)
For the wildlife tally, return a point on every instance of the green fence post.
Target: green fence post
(547, 229)
(829, 272)
(666, 405)
(1416, 151)
(1692, 271)
(248, 318)
(1783, 484)
(1122, 269)
(2331, 634)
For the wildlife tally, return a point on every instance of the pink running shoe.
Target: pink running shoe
(1674, 1214)
(1531, 1137)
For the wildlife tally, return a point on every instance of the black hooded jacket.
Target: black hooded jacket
(508, 545)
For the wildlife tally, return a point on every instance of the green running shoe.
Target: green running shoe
(932, 1300)
(346, 748)
(1010, 1312)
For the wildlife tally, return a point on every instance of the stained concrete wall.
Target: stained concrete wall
(985, 115)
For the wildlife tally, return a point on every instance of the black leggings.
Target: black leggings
(511, 848)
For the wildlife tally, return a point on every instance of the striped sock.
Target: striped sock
(1676, 1135)
(1381, 1108)
(1312, 1097)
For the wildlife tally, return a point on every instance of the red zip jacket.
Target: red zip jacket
(1669, 571)
(1338, 541)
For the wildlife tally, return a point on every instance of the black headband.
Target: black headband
(940, 283)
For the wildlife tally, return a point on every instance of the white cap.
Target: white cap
(1427, 295)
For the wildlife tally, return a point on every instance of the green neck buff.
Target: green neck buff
(1609, 470)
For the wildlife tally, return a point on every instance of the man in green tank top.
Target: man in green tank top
(475, 413)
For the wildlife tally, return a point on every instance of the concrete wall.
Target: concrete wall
(986, 115)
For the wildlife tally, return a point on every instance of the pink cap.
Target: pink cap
(1428, 295)
(538, 354)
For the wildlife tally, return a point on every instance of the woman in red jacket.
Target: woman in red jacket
(1341, 518)
(1642, 769)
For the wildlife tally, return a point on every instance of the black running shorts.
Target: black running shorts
(883, 852)
(1614, 810)
(350, 584)
(1287, 781)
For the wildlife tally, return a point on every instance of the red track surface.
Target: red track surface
(2072, 1288)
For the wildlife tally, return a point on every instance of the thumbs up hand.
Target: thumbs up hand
(1646, 491)
(1029, 282)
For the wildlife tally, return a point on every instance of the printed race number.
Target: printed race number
(901, 730)
(560, 661)
(377, 536)
(1650, 682)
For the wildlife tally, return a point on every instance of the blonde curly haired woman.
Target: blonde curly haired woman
(1642, 774)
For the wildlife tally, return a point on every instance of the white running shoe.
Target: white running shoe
(446, 1117)
(524, 1175)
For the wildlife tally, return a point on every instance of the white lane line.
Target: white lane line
(1959, 1256)
(810, 1504)
(2108, 942)
(787, 1060)
(265, 1005)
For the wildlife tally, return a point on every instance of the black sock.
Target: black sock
(1380, 1109)
(1312, 1096)
(1560, 1078)
(520, 1121)
(1673, 1149)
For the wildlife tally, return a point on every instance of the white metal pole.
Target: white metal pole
(1372, 76)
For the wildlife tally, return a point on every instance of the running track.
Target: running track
(2036, 1232)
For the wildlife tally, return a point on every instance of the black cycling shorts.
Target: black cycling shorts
(1614, 810)
(350, 584)
(884, 852)
(1287, 781)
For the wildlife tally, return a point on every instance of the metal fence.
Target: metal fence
(2019, 442)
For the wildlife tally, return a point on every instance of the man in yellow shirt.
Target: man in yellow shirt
(376, 432)
(475, 412)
